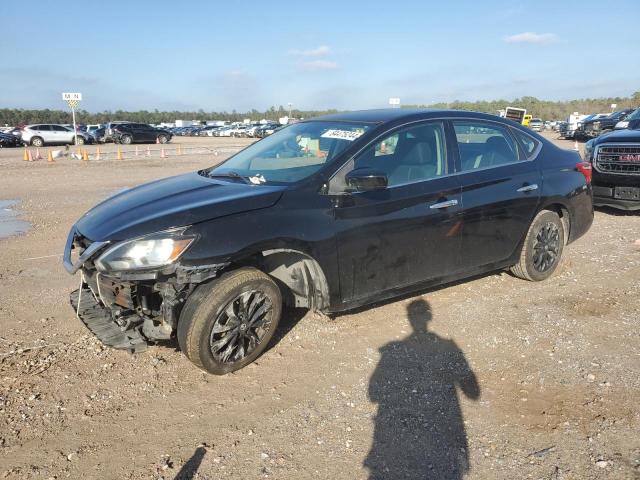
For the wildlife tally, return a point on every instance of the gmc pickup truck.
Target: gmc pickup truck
(615, 158)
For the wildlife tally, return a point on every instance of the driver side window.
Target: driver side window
(412, 154)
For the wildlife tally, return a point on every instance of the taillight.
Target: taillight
(585, 169)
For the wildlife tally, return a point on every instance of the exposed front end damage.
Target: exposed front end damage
(127, 310)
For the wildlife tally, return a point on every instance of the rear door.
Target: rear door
(501, 188)
(146, 132)
(62, 134)
(45, 132)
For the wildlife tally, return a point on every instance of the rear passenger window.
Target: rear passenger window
(529, 144)
(483, 146)
(43, 128)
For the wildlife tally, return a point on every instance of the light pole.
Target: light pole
(289, 108)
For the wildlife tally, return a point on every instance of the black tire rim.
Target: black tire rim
(241, 326)
(546, 247)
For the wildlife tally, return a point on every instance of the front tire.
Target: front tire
(80, 140)
(162, 139)
(227, 323)
(126, 139)
(542, 248)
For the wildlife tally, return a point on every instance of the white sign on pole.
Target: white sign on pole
(394, 101)
(71, 96)
(73, 99)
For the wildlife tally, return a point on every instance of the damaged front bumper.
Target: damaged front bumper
(128, 310)
(99, 321)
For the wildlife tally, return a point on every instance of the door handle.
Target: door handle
(447, 204)
(528, 188)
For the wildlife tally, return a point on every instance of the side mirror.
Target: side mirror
(366, 179)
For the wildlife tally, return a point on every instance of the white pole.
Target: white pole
(75, 132)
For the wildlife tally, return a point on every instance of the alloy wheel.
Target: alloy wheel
(546, 247)
(241, 326)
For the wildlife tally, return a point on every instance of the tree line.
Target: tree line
(19, 116)
(545, 109)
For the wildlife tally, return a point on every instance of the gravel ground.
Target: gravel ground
(491, 378)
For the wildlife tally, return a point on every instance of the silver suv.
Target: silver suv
(48, 133)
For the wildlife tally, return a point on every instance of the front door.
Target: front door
(500, 191)
(408, 232)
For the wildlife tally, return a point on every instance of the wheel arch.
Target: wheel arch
(301, 278)
(563, 212)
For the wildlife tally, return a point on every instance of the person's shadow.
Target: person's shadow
(419, 429)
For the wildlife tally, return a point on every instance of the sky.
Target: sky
(226, 55)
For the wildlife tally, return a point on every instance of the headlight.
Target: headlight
(151, 251)
(623, 124)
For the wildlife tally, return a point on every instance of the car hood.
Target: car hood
(622, 136)
(172, 202)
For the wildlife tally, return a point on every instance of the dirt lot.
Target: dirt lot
(495, 377)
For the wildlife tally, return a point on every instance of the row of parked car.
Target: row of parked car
(237, 130)
(586, 127)
(41, 134)
(123, 132)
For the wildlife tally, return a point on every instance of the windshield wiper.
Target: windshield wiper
(228, 175)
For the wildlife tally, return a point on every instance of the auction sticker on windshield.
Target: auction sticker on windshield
(342, 134)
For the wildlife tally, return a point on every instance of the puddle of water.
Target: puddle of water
(9, 224)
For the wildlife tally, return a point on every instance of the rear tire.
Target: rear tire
(37, 142)
(126, 139)
(80, 140)
(542, 248)
(227, 323)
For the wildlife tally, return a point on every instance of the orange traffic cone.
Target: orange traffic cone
(50, 157)
(97, 153)
(148, 151)
(162, 154)
(576, 147)
(157, 140)
(119, 155)
(25, 156)
(85, 155)
(179, 150)
(137, 153)
(38, 156)
(30, 159)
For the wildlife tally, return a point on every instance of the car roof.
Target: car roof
(393, 114)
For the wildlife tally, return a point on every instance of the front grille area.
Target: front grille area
(618, 159)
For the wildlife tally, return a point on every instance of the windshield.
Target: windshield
(635, 115)
(290, 154)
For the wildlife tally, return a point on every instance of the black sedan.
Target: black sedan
(330, 214)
